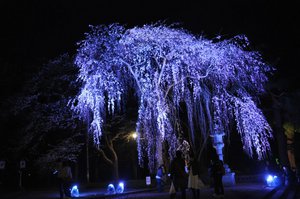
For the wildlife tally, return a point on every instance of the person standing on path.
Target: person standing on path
(160, 178)
(194, 181)
(178, 175)
(65, 178)
(217, 172)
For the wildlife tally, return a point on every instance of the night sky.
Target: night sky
(32, 32)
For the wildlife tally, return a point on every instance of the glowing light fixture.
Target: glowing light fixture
(75, 191)
(120, 187)
(111, 189)
(272, 180)
(134, 135)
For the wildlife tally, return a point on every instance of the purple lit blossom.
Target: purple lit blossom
(167, 66)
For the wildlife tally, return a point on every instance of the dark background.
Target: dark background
(33, 32)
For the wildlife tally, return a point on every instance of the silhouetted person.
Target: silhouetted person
(160, 178)
(211, 179)
(194, 181)
(217, 173)
(178, 175)
(64, 179)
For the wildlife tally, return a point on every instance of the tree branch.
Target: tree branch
(161, 72)
(106, 159)
(132, 72)
(175, 83)
(119, 135)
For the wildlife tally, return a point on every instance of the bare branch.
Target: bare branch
(132, 72)
(106, 159)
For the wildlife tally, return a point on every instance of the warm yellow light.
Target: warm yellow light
(134, 135)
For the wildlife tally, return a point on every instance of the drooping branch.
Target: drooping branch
(161, 72)
(184, 78)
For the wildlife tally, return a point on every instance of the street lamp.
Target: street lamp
(134, 135)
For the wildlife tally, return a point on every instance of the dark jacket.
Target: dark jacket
(195, 167)
(177, 168)
(217, 169)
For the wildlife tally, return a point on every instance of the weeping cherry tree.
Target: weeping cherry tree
(219, 83)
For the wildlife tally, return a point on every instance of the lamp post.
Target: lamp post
(134, 135)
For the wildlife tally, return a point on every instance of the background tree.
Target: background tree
(219, 82)
(49, 130)
(283, 108)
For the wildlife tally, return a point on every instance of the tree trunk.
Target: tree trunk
(116, 169)
(113, 161)
(281, 140)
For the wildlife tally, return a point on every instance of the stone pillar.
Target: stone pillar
(218, 144)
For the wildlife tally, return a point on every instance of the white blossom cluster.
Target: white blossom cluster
(252, 126)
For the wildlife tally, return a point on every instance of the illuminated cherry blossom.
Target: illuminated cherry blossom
(219, 83)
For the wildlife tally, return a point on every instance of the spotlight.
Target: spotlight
(120, 187)
(272, 180)
(75, 191)
(269, 179)
(111, 189)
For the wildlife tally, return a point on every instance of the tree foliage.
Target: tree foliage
(219, 83)
(49, 128)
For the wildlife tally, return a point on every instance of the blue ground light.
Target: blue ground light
(75, 191)
(112, 190)
(120, 187)
(272, 180)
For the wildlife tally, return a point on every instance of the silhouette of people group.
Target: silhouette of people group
(185, 173)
